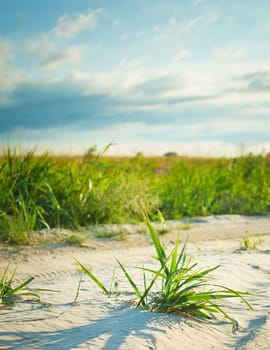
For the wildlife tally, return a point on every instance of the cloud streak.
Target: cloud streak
(69, 55)
(68, 26)
(6, 52)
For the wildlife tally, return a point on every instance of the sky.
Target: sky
(185, 76)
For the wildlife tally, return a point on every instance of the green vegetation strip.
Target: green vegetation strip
(45, 191)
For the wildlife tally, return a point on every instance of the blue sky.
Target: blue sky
(191, 76)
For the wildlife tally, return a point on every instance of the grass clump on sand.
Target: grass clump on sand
(250, 242)
(10, 293)
(182, 288)
(74, 239)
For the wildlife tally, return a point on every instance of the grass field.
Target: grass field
(38, 191)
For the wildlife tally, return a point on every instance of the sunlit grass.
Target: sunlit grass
(177, 286)
(11, 293)
(250, 242)
(46, 191)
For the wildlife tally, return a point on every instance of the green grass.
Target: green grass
(10, 293)
(74, 239)
(45, 191)
(177, 286)
(222, 186)
(119, 234)
(250, 242)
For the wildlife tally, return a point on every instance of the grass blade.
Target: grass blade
(132, 283)
(93, 277)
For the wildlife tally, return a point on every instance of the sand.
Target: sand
(95, 321)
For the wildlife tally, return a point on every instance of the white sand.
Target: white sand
(98, 322)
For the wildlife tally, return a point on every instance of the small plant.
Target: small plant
(14, 229)
(250, 242)
(9, 293)
(163, 230)
(74, 239)
(113, 287)
(182, 288)
(119, 234)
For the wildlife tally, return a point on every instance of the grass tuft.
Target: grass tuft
(10, 293)
(74, 239)
(250, 242)
(183, 288)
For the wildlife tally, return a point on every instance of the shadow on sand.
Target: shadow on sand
(106, 333)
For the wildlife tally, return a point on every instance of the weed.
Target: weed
(163, 230)
(74, 239)
(9, 293)
(182, 287)
(119, 234)
(14, 229)
(93, 278)
(250, 242)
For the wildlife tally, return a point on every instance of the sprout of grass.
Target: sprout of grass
(9, 294)
(250, 242)
(184, 289)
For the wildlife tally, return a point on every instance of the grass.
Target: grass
(46, 191)
(177, 286)
(10, 293)
(250, 242)
(119, 234)
(74, 239)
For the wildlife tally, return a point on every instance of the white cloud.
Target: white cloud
(172, 21)
(117, 83)
(124, 36)
(6, 52)
(69, 55)
(49, 47)
(68, 141)
(174, 87)
(9, 76)
(67, 26)
(210, 18)
(175, 28)
(230, 52)
(116, 23)
(181, 54)
(257, 110)
(197, 2)
(181, 28)
(40, 46)
(132, 63)
(240, 125)
(186, 27)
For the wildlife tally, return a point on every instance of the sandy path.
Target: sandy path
(98, 322)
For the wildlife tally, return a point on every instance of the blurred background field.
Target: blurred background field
(50, 191)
